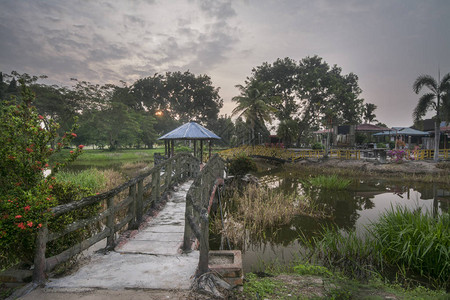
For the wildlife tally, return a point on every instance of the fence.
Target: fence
(152, 184)
(293, 155)
(198, 203)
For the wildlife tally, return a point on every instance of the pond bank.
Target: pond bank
(408, 170)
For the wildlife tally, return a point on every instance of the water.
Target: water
(352, 209)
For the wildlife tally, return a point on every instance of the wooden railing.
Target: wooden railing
(153, 184)
(198, 203)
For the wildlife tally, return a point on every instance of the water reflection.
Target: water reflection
(352, 209)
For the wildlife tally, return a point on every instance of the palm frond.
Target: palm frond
(425, 102)
(444, 85)
(425, 80)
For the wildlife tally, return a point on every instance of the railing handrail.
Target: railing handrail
(198, 202)
(177, 168)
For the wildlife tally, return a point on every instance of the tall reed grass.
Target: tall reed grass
(415, 241)
(412, 244)
(257, 208)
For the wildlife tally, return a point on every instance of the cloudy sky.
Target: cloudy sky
(386, 43)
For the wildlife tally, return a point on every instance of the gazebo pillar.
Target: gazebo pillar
(172, 150)
(195, 148)
(201, 151)
(165, 148)
(210, 142)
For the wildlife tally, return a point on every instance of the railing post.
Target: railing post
(39, 257)
(132, 207)
(187, 242)
(156, 181)
(140, 202)
(168, 177)
(204, 243)
(110, 223)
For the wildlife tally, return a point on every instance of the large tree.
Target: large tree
(310, 92)
(253, 103)
(181, 96)
(438, 89)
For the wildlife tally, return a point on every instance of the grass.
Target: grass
(92, 179)
(256, 209)
(331, 182)
(91, 155)
(308, 281)
(415, 241)
(412, 245)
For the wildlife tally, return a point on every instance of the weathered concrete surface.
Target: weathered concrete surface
(149, 260)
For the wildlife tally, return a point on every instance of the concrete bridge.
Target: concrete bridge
(138, 248)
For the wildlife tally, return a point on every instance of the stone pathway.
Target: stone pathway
(149, 260)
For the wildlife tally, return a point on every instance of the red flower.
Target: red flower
(21, 226)
(81, 146)
(30, 224)
(39, 225)
(71, 151)
(50, 149)
(18, 216)
(46, 165)
(74, 134)
(41, 117)
(27, 208)
(59, 144)
(50, 186)
(29, 150)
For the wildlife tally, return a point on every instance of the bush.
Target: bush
(183, 149)
(318, 146)
(25, 194)
(381, 145)
(242, 165)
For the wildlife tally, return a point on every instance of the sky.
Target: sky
(387, 44)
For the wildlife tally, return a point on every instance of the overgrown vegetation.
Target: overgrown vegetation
(412, 245)
(331, 182)
(255, 209)
(242, 165)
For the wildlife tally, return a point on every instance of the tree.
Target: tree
(181, 96)
(253, 104)
(308, 90)
(431, 100)
(369, 115)
(287, 131)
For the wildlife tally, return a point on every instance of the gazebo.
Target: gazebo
(190, 131)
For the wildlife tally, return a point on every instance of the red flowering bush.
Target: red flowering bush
(25, 193)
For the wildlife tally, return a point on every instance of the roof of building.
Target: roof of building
(403, 131)
(370, 127)
(190, 131)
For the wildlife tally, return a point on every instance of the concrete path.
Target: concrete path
(149, 260)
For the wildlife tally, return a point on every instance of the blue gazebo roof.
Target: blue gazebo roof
(190, 131)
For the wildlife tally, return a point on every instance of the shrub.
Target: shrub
(381, 145)
(25, 194)
(242, 165)
(318, 146)
(183, 149)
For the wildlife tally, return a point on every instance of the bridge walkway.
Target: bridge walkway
(151, 259)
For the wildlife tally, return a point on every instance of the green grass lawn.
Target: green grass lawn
(91, 156)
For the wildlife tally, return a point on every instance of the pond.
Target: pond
(351, 209)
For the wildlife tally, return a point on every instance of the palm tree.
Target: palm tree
(369, 115)
(432, 99)
(253, 104)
